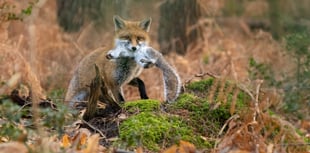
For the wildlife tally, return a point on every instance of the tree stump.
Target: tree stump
(98, 91)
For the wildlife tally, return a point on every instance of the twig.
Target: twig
(224, 126)
(94, 128)
(256, 112)
(123, 151)
(77, 101)
(200, 75)
(256, 100)
(227, 121)
(206, 73)
(77, 46)
(294, 144)
(29, 103)
(247, 91)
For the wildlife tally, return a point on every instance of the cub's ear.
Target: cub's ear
(118, 22)
(146, 24)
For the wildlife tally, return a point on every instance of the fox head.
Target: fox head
(130, 36)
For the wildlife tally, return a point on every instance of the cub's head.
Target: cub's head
(145, 56)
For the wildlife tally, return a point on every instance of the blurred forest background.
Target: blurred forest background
(242, 40)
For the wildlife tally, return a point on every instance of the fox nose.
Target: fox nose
(134, 48)
(109, 56)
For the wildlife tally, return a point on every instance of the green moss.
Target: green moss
(220, 115)
(199, 116)
(202, 85)
(195, 106)
(144, 105)
(187, 101)
(242, 99)
(271, 112)
(202, 88)
(57, 95)
(194, 116)
(153, 131)
(11, 114)
(195, 109)
(307, 140)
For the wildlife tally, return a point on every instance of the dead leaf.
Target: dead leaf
(305, 125)
(83, 139)
(239, 151)
(4, 139)
(172, 149)
(13, 147)
(65, 142)
(13, 80)
(92, 144)
(184, 147)
(187, 147)
(80, 138)
(139, 150)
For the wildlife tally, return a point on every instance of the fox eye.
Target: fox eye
(125, 37)
(140, 38)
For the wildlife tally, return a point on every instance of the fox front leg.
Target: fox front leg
(137, 82)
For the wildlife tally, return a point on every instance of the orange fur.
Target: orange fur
(115, 73)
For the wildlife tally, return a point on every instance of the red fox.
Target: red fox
(130, 36)
(146, 57)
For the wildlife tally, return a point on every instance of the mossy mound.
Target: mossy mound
(154, 130)
(191, 118)
(207, 104)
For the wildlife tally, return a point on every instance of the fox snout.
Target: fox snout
(133, 48)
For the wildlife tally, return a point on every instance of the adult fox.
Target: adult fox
(116, 72)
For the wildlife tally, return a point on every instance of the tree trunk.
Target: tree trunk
(178, 25)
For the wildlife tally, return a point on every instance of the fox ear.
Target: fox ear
(146, 24)
(118, 22)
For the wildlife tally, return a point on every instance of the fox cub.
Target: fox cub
(130, 36)
(146, 57)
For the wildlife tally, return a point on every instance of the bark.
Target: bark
(178, 25)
